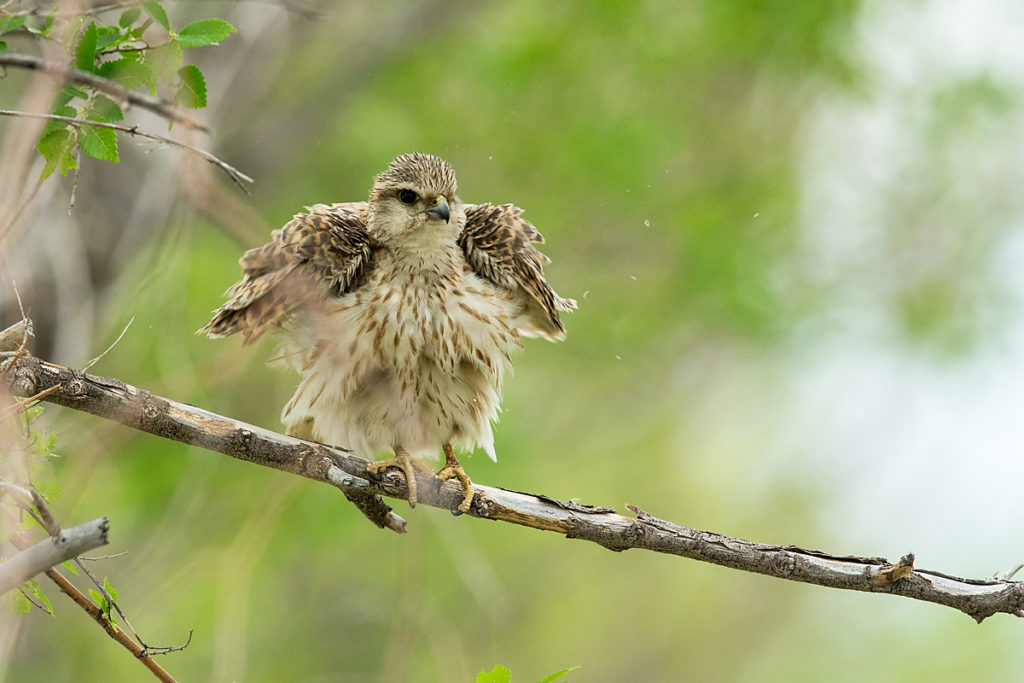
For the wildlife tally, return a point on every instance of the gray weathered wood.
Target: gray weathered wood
(70, 543)
(115, 400)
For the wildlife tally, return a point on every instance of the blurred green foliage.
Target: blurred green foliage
(657, 146)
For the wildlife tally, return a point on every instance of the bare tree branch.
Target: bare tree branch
(38, 558)
(116, 90)
(32, 503)
(111, 628)
(233, 173)
(115, 400)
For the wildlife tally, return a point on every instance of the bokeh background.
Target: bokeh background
(794, 232)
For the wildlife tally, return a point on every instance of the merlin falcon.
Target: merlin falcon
(401, 315)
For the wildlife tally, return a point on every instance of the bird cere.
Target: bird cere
(400, 314)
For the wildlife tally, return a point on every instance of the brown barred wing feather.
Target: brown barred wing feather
(498, 244)
(317, 254)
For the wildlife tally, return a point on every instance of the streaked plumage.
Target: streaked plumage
(401, 317)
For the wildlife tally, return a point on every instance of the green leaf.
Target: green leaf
(65, 95)
(165, 59)
(129, 72)
(49, 489)
(557, 674)
(51, 126)
(105, 109)
(129, 17)
(29, 522)
(192, 91)
(102, 603)
(3, 46)
(100, 143)
(98, 598)
(499, 674)
(106, 37)
(54, 146)
(16, 603)
(33, 589)
(12, 24)
(43, 30)
(136, 33)
(110, 589)
(85, 51)
(69, 161)
(157, 12)
(70, 567)
(205, 32)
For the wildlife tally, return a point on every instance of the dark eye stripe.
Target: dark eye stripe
(407, 196)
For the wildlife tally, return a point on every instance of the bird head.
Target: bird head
(413, 202)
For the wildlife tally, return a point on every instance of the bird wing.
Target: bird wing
(318, 253)
(498, 244)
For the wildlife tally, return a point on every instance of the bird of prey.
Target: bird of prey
(400, 314)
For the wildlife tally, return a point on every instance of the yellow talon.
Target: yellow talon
(404, 462)
(453, 470)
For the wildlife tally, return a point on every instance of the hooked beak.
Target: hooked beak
(440, 209)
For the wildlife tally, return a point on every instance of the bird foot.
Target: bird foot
(408, 465)
(453, 470)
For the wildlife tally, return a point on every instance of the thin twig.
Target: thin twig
(111, 603)
(127, 48)
(26, 500)
(167, 649)
(1010, 574)
(106, 85)
(138, 409)
(96, 9)
(99, 357)
(74, 175)
(98, 558)
(35, 603)
(26, 403)
(112, 629)
(232, 172)
(21, 309)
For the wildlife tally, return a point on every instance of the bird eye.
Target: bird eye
(407, 196)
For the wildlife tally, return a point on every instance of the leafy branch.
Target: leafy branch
(109, 63)
(104, 85)
(139, 409)
(79, 126)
